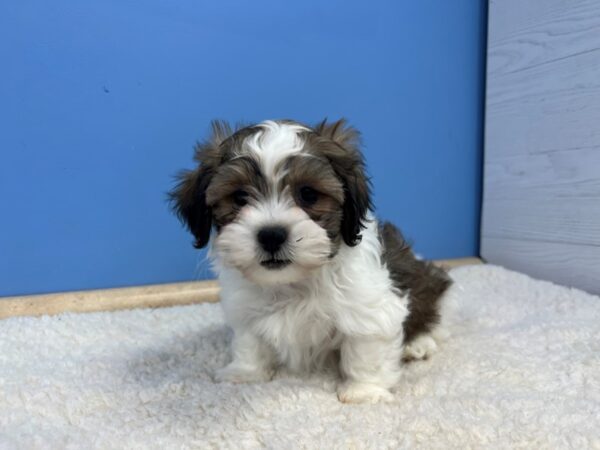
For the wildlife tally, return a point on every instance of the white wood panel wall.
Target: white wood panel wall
(541, 200)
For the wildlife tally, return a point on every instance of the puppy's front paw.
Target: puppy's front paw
(235, 373)
(353, 392)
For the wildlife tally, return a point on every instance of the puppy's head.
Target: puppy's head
(281, 197)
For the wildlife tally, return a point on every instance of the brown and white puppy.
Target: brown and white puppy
(306, 272)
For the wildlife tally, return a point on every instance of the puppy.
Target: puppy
(307, 274)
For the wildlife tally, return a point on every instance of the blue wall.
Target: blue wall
(101, 102)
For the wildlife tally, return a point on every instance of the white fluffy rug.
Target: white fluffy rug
(522, 370)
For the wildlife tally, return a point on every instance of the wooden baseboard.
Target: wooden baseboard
(457, 262)
(154, 296)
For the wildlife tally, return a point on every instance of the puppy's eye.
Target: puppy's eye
(240, 197)
(308, 195)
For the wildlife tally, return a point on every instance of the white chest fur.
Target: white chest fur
(299, 329)
(351, 296)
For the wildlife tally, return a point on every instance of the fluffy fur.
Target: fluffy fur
(308, 276)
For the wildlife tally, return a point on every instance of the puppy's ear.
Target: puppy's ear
(188, 199)
(189, 203)
(347, 161)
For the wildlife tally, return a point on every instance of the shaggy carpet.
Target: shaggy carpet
(521, 370)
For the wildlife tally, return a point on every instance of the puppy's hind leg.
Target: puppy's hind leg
(426, 341)
(424, 345)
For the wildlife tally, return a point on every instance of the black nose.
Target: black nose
(271, 238)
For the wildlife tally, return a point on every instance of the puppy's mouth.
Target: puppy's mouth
(274, 264)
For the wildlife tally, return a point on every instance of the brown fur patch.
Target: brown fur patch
(424, 282)
(339, 144)
(189, 199)
(316, 173)
(241, 173)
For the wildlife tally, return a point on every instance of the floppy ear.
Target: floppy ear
(348, 163)
(189, 203)
(188, 199)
